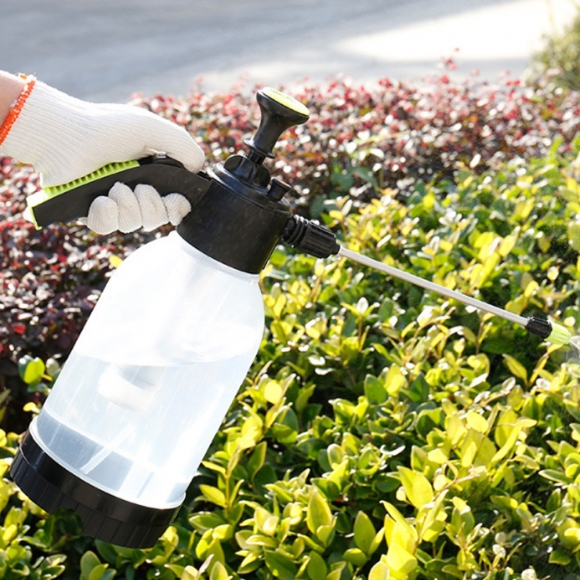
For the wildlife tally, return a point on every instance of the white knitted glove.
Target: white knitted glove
(126, 210)
(65, 138)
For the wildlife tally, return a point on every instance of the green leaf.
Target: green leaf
(430, 517)
(257, 459)
(89, 561)
(325, 534)
(177, 570)
(560, 557)
(377, 541)
(189, 573)
(262, 540)
(380, 571)
(462, 519)
(316, 567)
(375, 391)
(213, 495)
(106, 551)
(397, 516)
(100, 572)
(395, 380)
(349, 348)
(513, 433)
(364, 532)
(400, 560)
(355, 556)
(281, 566)
(505, 425)
(335, 455)
(273, 392)
(212, 550)
(418, 489)
(223, 532)
(203, 521)
(219, 572)
(251, 562)
(33, 371)
(318, 513)
(574, 235)
(477, 422)
(555, 475)
(334, 575)
(340, 474)
(109, 574)
(516, 367)
(266, 522)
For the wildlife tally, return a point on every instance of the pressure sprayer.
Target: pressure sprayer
(138, 402)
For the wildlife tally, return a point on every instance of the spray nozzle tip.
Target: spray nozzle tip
(559, 335)
(549, 331)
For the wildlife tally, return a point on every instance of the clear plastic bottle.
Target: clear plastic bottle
(153, 373)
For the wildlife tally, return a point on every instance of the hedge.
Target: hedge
(383, 431)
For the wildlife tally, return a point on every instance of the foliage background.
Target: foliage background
(382, 432)
(560, 56)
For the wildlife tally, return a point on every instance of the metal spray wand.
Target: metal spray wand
(549, 331)
(318, 241)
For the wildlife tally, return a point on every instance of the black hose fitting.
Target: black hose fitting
(310, 237)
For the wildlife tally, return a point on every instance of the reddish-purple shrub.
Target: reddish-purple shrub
(360, 139)
(357, 141)
(50, 279)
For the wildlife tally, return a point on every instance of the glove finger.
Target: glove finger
(153, 212)
(129, 211)
(175, 142)
(103, 216)
(177, 207)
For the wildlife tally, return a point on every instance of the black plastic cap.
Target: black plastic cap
(104, 516)
(236, 223)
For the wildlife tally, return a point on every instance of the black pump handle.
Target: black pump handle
(279, 112)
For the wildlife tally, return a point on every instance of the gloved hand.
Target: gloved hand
(65, 138)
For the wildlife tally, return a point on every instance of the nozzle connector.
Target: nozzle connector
(539, 327)
(310, 237)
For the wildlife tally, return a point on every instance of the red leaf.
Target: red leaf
(19, 328)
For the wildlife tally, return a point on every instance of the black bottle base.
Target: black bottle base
(104, 516)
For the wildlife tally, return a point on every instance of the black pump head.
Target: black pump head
(242, 216)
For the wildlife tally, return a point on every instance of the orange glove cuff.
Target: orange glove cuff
(17, 107)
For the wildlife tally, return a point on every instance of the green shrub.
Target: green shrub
(384, 431)
(560, 56)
